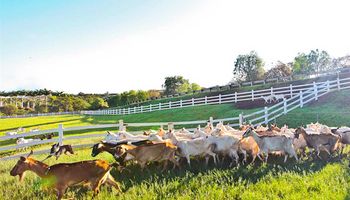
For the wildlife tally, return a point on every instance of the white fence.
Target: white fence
(289, 91)
(268, 114)
(258, 82)
(263, 116)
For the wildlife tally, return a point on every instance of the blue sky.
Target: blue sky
(105, 45)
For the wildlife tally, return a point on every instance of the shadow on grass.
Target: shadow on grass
(249, 173)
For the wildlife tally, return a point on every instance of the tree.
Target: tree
(173, 83)
(80, 104)
(142, 95)
(314, 62)
(195, 87)
(41, 109)
(153, 93)
(114, 100)
(99, 103)
(340, 62)
(319, 60)
(279, 71)
(185, 87)
(248, 67)
(300, 64)
(9, 109)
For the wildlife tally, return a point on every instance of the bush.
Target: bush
(9, 109)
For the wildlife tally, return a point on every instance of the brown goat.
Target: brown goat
(63, 175)
(249, 145)
(326, 142)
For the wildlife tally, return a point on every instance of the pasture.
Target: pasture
(307, 179)
(310, 178)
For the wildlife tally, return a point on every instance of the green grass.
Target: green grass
(184, 114)
(307, 179)
(48, 122)
(332, 110)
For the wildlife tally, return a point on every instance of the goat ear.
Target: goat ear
(22, 158)
(31, 153)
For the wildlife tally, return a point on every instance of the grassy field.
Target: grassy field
(184, 114)
(307, 179)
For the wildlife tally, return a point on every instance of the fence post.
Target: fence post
(124, 111)
(135, 109)
(169, 104)
(240, 119)
(301, 99)
(266, 115)
(129, 110)
(328, 86)
(181, 103)
(291, 90)
(160, 105)
(252, 95)
(235, 97)
(338, 82)
(271, 91)
(121, 125)
(150, 107)
(315, 91)
(211, 120)
(192, 101)
(284, 106)
(205, 100)
(60, 134)
(170, 126)
(141, 109)
(219, 98)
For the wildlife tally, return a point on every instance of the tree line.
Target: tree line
(250, 67)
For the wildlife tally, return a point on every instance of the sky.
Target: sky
(97, 46)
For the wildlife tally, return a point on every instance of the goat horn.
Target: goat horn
(31, 153)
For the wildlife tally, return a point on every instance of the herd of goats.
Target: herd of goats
(220, 142)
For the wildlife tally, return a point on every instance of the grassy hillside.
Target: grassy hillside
(303, 180)
(332, 109)
(239, 89)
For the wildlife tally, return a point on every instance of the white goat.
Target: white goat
(268, 144)
(198, 133)
(22, 141)
(195, 147)
(277, 97)
(225, 145)
(122, 135)
(268, 99)
(11, 133)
